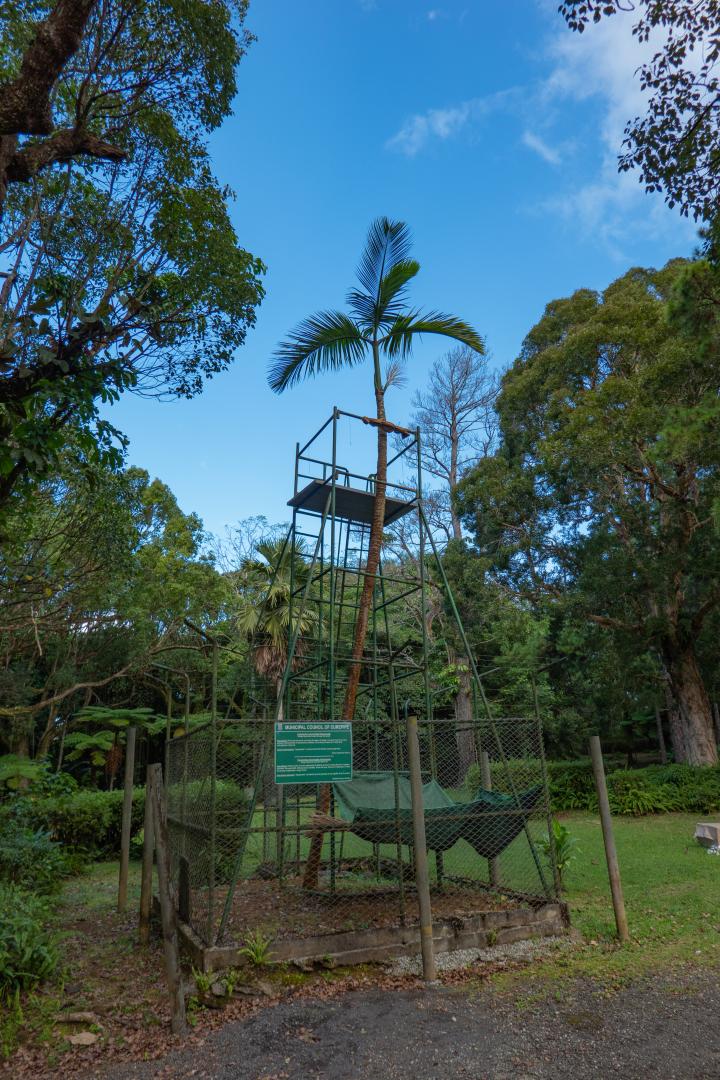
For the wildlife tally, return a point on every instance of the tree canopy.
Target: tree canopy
(123, 268)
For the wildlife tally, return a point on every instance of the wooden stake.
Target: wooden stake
(422, 876)
(147, 867)
(610, 852)
(126, 820)
(486, 781)
(168, 914)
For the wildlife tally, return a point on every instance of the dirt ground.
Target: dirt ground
(293, 912)
(665, 1028)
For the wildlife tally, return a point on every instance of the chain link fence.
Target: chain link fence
(240, 843)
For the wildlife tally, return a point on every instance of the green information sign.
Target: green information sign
(313, 753)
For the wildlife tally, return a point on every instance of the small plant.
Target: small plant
(28, 952)
(203, 981)
(256, 948)
(564, 845)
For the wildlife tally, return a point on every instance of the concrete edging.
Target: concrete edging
(479, 930)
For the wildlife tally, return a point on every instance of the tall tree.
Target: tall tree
(379, 325)
(458, 424)
(122, 270)
(600, 489)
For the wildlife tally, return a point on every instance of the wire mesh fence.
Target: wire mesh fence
(241, 844)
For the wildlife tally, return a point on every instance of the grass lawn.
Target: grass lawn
(671, 887)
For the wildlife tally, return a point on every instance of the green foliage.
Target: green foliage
(86, 822)
(655, 789)
(28, 952)
(144, 285)
(600, 498)
(561, 844)
(30, 858)
(256, 948)
(23, 776)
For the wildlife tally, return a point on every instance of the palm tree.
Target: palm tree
(263, 612)
(380, 325)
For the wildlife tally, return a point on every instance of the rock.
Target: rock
(266, 988)
(303, 964)
(83, 1038)
(218, 989)
(76, 1018)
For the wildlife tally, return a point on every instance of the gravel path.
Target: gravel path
(664, 1028)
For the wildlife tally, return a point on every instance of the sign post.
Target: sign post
(313, 753)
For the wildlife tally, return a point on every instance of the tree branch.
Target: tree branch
(25, 102)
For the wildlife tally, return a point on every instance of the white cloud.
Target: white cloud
(534, 142)
(596, 69)
(601, 65)
(441, 123)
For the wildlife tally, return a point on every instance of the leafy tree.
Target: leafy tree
(123, 271)
(599, 490)
(96, 581)
(677, 143)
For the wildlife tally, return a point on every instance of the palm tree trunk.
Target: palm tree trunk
(377, 527)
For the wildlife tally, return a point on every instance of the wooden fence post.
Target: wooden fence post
(486, 781)
(610, 852)
(168, 914)
(422, 876)
(126, 820)
(147, 866)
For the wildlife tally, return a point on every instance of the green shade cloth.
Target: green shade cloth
(489, 822)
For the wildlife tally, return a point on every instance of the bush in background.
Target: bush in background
(85, 821)
(654, 789)
(30, 858)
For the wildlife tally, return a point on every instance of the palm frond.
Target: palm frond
(395, 374)
(381, 308)
(326, 341)
(399, 337)
(388, 243)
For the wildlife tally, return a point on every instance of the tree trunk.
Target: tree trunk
(695, 719)
(464, 733)
(677, 737)
(660, 735)
(377, 527)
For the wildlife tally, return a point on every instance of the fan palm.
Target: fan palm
(263, 613)
(379, 325)
(382, 326)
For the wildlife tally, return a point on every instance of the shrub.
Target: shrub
(654, 789)
(85, 821)
(30, 858)
(28, 952)
(21, 776)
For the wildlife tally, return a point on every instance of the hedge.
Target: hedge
(653, 789)
(89, 822)
(86, 821)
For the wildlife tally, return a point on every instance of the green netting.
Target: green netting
(376, 791)
(489, 822)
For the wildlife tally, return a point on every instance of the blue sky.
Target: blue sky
(490, 128)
